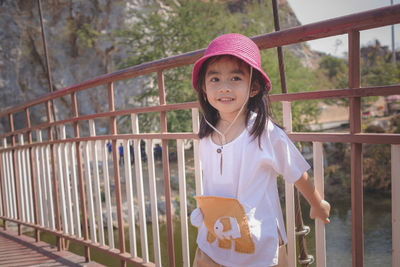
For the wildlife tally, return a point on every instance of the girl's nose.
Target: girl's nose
(224, 87)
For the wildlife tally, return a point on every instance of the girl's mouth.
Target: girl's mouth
(226, 99)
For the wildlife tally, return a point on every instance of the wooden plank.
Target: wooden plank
(25, 251)
(320, 239)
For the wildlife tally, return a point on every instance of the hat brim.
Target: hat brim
(199, 63)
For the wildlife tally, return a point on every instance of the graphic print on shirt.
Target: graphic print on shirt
(226, 223)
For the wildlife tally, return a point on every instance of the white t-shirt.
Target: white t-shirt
(249, 175)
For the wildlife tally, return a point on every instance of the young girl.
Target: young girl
(242, 151)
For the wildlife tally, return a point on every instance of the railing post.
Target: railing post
(320, 241)
(117, 179)
(356, 153)
(33, 174)
(15, 169)
(395, 151)
(3, 198)
(289, 196)
(165, 160)
(54, 177)
(153, 201)
(197, 164)
(81, 182)
(139, 189)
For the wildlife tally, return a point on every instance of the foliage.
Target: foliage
(376, 70)
(183, 26)
(87, 35)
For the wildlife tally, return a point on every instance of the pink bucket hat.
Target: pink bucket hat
(236, 45)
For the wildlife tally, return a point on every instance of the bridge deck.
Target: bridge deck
(24, 251)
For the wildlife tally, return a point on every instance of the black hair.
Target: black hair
(258, 103)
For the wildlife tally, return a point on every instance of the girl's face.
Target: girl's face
(227, 86)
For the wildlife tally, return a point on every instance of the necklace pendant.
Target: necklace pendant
(219, 151)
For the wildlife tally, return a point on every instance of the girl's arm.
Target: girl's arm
(319, 207)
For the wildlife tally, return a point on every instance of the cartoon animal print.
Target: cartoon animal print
(226, 222)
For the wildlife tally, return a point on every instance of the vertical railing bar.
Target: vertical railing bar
(197, 164)
(289, 195)
(21, 172)
(61, 184)
(2, 198)
(395, 169)
(10, 206)
(29, 182)
(66, 181)
(89, 192)
(54, 178)
(3, 192)
(129, 199)
(75, 200)
(165, 161)
(183, 202)
(140, 190)
(7, 183)
(320, 240)
(39, 179)
(44, 180)
(15, 172)
(33, 181)
(153, 202)
(97, 194)
(49, 186)
(356, 153)
(12, 183)
(117, 179)
(108, 196)
(80, 176)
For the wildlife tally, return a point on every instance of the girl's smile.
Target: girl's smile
(227, 86)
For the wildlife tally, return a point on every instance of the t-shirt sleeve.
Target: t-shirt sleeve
(287, 160)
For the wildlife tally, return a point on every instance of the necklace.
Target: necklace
(221, 136)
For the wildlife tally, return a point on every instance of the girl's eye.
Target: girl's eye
(214, 79)
(236, 78)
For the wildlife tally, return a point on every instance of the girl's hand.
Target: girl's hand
(321, 211)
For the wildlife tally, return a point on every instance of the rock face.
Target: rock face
(79, 37)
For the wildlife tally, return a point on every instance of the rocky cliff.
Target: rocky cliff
(80, 47)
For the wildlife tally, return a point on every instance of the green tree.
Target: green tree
(182, 26)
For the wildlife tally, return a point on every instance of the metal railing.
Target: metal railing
(53, 185)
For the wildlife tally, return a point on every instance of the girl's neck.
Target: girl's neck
(230, 134)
